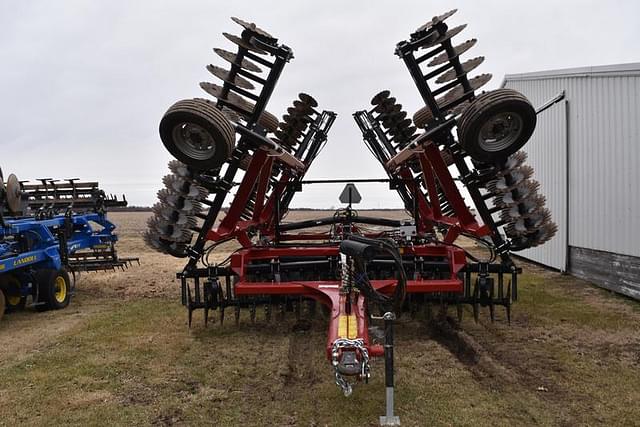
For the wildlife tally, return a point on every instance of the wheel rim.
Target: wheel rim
(13, 300)
(61, 289)
(500, 132)
(12, 295)
(194, 141)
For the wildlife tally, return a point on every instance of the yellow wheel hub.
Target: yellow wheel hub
(61, 289)
(12, 294)
(13, 300)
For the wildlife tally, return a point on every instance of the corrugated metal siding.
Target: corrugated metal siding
(604, 157)
(547, 154)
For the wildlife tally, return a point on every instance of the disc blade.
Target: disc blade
(459, 50)
(511, 180)
(393, 116)
(380, 96)
(293, 127)
(308, 99)
(459, 109)
(388, 106)
(446, 36)
(223, 75)
(467, 66)
(168, 231)
(250, 26)
(231, 115)
(13, 193)
(233, 59)
(522, 191)
(287, 118)
(546, 233)
(232, 98)
(184, 187)
(178, 201)
(154, 241)
(302, 107)
(515, 160)
(524, 208)
(243, 43)
(435, 20)
(174, 216)
(529, 225)
(458, 91)
(179, 168)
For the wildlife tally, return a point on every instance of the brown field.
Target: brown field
(122, 354)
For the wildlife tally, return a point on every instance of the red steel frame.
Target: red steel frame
(329, 292)
(345, 306)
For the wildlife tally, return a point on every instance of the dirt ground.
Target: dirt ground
(122, 354)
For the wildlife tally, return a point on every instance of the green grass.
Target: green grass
(136, 362)
(559, 303)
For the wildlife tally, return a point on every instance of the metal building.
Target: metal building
(586, 154)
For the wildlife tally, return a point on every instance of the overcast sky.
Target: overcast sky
(83, 84)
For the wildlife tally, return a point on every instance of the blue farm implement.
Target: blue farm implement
(48, 233)
(364, 270)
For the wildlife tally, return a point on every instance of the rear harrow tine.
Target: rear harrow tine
(415, 305)
(312, 308)
(252, 313)
(297, 308)
(221, 314)
(492, 313)
(267, 311)
(189, 304)
(428, 311)
(444, 308)
(476, 302)
(508, 303)
(459, 312)
(237, 313)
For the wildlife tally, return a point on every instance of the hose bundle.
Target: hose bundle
(363, 249)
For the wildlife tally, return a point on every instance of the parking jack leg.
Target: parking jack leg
(389, 419)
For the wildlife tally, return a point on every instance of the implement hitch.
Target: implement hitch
(360, 268)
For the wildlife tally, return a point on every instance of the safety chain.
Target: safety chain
(343, 343)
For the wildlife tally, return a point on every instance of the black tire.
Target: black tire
(197, 133)
(422, 117)
(496, 124)
(54, 289)
(10, 287)
(268, 121)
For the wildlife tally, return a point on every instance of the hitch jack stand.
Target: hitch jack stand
(389, 419)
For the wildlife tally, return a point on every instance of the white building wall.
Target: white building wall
(602, 183)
